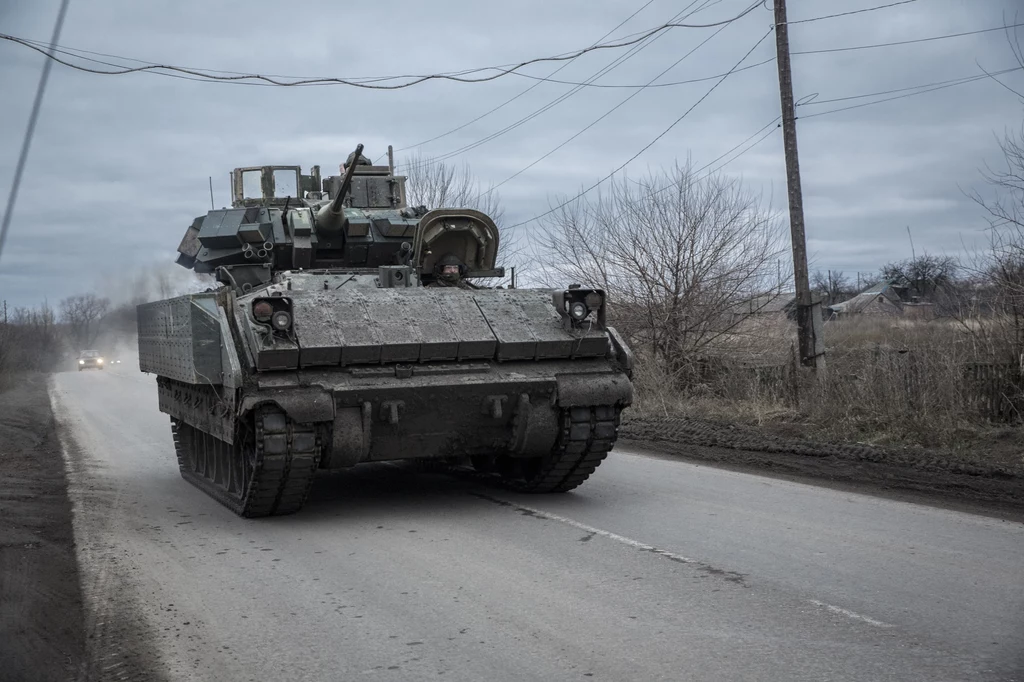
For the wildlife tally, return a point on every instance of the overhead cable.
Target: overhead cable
(856, 11)
(608, 68)
(903, 96)
(414, 80)
(906, 42)
(644, 86)
(527, 90)
(609, 112)
(938, 85)
(652, 142)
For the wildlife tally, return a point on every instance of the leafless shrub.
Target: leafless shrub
(82, 314)
(436, 184)
(30, 340)
(922, 275)
(678, 255)
(833, 286)
(995, 311)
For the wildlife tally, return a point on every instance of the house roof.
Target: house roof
(867, 297)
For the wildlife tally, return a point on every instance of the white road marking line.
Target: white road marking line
(636, 544)
(851, 614)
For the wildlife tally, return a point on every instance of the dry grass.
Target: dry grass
(888, 382)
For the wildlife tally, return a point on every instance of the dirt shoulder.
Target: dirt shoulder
(972, 483)
(42, 631)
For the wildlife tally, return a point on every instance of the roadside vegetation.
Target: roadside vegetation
(696, 268)
(47, 338)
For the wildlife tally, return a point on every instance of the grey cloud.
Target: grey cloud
(119, 166)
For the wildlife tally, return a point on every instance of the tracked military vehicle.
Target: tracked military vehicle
(349, 327)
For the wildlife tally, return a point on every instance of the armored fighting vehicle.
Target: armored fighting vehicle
(349, 327)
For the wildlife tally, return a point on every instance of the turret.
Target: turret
(281, 220)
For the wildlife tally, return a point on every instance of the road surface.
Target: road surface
(652, 570)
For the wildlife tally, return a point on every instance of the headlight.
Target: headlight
(262, 311)
(578, 310)
(281, 321)
(81, 362)
(99, 361)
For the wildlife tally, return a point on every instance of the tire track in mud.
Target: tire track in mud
(119, 639)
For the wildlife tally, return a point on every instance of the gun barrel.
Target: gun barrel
(346, 181)
(331, 217)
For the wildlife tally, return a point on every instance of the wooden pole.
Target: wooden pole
(811, 350)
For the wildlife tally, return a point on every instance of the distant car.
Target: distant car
(90, 359)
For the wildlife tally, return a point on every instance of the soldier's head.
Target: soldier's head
(449, 268)
(362, 161)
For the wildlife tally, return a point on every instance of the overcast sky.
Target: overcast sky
(119, 164)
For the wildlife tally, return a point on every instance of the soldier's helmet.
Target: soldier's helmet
(449, 267)
(363, 161)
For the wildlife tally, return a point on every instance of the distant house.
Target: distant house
(882, 299)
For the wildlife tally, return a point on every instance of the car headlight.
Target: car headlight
(81, 362)
(99, 361)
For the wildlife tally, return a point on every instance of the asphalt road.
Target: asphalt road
(652, 570)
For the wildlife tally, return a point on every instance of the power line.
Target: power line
(908, 42)
(765, 133)
(938, 85)
(903, 96)
(608, 68)
(618, 61)
(609, 112)
(26, 143)
(652, 142)
(773, 125)
(415, 80)
(856, 11)
(527, 90)
(644, 86)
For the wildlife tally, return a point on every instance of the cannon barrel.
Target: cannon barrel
(331, 217)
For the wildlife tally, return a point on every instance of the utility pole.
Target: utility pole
(26, 143)
(808, 313)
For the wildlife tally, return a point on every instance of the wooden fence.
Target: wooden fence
(997, 390)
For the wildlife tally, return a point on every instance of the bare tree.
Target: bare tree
(923, 275)
(436, 184)
(678, 254)
(30, 340)
(834, 285)
(82, 314)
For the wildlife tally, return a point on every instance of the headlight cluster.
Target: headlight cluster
(275, 311)
(81, 362)
(578, 304)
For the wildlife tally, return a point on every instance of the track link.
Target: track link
(587, 435)
(267, 471)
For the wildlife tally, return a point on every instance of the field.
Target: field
(906, 389)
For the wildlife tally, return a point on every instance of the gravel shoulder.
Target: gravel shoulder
(992, 487)
(42, 634)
